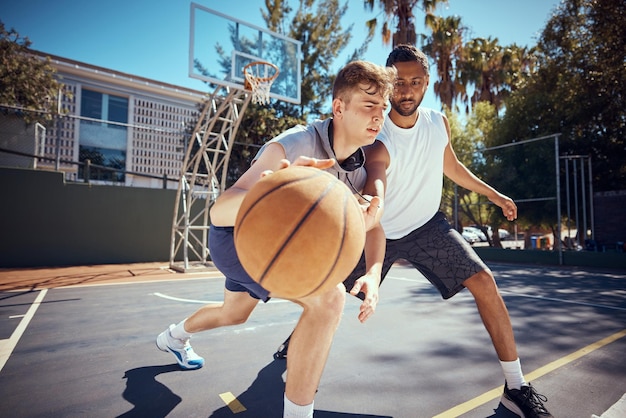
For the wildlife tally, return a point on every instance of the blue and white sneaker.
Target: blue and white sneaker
(182, 350)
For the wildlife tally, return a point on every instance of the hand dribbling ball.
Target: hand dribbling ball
(299, 231)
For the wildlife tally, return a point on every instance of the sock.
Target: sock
(513, 374)
(291, 410)
(179, 332)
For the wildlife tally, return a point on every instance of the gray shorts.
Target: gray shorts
(437, 250)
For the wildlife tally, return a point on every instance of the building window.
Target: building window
(103, 142)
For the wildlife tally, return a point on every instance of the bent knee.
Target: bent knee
(337, 298)
(329, 303)
(483, 281)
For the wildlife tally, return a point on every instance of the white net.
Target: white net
(259, 78)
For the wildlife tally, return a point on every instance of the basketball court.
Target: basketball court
(86, 347)
(88, 350)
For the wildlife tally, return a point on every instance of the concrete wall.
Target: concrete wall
(46, 222)
(609, 259)
(610, 217)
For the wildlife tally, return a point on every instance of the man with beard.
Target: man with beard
(411, 155)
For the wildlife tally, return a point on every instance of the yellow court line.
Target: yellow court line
(536, 374)
(231, 401)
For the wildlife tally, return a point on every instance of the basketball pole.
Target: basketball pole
(203, 176)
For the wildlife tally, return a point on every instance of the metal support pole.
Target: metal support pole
(567, 202)
(576, 200)
(558, 197)
(57, 161)
(584, 197)
(87, 170)
(591, 216)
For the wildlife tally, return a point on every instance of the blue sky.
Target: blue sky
(150, 38)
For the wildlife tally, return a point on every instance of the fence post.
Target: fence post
(87, 171)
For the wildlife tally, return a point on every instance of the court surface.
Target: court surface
(89, 351)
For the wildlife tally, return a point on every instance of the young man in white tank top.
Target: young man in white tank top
(412, 155)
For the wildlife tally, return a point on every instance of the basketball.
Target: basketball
(299, 232)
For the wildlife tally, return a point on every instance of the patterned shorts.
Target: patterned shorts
(436, 250)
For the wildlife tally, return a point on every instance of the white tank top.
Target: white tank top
(415, 173)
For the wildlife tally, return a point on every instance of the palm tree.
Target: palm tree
(520, 66)
(400, 12)
(483, 66)
(445, 47)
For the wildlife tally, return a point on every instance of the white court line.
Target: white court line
(509, 293)
(7, 346)
(206, 302)
(594, 305)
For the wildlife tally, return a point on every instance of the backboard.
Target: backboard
(220, 46)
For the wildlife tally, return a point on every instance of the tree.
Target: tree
(468, 140)
(445, 47)
(482, 66)
(323, 37)
(318, 25)
(27, 81)
(579, 89)
(400, 14)
(494, 70)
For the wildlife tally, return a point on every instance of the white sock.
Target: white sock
(513, 374)
(291, 410)
(179, 332)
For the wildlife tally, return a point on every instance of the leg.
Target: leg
(310, 343)
(235, 309)
(390, 257)
(493, 313)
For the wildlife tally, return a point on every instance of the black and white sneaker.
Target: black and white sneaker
(525, 402)
(281, 353)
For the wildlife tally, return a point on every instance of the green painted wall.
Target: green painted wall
(611, 260)
(47, 222)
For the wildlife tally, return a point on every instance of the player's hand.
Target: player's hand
(372, 211)
(303, 161)
(367, 284)
(372, 206)
(321, 163)
(508, 206)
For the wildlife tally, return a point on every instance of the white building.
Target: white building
(116, 120)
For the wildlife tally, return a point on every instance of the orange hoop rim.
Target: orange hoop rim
(261, 79)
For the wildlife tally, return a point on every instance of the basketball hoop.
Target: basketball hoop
(259, 78)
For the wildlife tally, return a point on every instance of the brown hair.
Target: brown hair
(357, 73)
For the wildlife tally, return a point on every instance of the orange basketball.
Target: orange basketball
(299, 231)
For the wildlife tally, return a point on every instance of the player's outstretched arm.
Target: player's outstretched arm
(370, 282)
(462, 176)
(377, 162)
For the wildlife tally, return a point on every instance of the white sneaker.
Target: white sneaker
(182, 350)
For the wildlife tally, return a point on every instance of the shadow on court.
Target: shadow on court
(149, 397)
(89, 351)
(264, 397)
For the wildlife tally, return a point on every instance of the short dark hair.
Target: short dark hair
(406, 53)
(363, 72)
